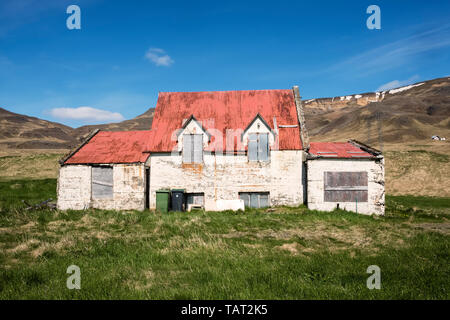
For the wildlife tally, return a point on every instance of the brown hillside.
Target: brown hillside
(142, 122)
(409, 116)
(22, 132)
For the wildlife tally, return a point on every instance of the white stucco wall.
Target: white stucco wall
(74, 188)
(375, 175)
(222, 177)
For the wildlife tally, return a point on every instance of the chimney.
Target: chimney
(301, 118)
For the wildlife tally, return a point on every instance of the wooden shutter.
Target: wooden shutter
(263, 200)
(263, 147)
(254, 200)
(188, 142)
(102, 182)
(253, 147)
(195, 198)
(345, 186)
(246, 197)
(198, 148)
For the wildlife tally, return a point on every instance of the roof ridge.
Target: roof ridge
(220, 91)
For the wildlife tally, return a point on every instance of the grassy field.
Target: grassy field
(276, 253)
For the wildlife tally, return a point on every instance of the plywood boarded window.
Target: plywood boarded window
(197, 198)
(102, 182)
(258, 147)
(255, 199)
(345, 186)
(192, 148)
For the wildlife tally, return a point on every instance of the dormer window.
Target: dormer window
(258, 147)
(192, 148)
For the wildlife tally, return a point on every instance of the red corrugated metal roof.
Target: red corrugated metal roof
(222, 111)
(337, 150)
(113, 147)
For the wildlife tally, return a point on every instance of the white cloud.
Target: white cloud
(159, 57)
(86, 114)
(397, 83)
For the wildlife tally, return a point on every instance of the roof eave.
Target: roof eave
(63, 160)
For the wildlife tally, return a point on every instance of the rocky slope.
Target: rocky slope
(410, 114)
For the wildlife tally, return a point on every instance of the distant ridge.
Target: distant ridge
(408, 114)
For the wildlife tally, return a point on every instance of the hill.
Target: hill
(411, 114)
(23, 132)
(20, 133)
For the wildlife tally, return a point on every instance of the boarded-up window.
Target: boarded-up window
(255, 199)
(195, 198)
(258, 147)
(345, 186)
(102, 182)
(193, 148)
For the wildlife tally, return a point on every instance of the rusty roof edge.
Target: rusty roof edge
(81, 145)
(304, 137)
(311, 156)
(365, 147)
(106, 163)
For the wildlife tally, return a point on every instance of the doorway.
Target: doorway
(147, 188)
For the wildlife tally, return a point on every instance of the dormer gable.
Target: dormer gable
(192, 126)
(258, 125)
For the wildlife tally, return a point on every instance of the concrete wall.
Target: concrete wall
(74, 188)
(375, 175)
(222, 177)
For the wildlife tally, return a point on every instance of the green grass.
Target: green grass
(439, 157)
(276, 253)
(32, 191)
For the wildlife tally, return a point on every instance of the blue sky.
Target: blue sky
(128, 51)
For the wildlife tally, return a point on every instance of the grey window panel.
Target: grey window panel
(102, 182)
(198, 148)
(346, 195)
(263, 200)
(246, 198)
(255, 199)
(263, 147)
(345, 186)
(253, 147)
(344, 179)
(195, 198)
(193, 148)
(188, 141)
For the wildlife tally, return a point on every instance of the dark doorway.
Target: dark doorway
(147, 188)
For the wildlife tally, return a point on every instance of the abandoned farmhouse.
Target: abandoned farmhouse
(222, 150)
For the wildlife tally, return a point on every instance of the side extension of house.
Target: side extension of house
(107, 172)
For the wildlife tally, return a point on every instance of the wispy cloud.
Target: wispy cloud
(398, 83)
(159, 57)
(86, 114)
(397, 53)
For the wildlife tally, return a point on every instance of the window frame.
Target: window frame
(341, 188)
(95, 195)
(192, 157)
(258, 147)
(258, 194)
